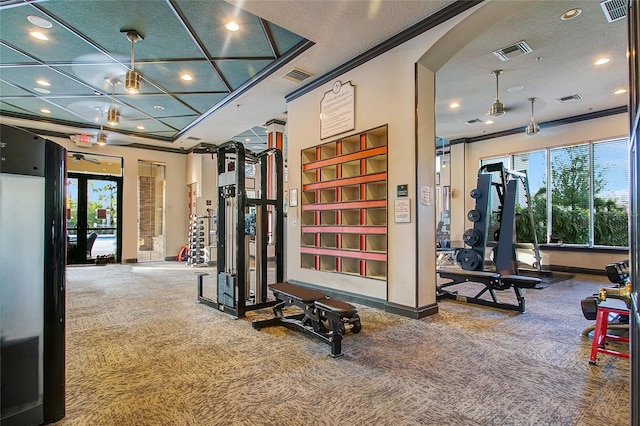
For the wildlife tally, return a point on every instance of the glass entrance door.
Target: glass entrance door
(93, 213)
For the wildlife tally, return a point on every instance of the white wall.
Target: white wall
(385, 94)
(176, 211)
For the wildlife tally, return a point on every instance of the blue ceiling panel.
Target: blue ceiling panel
(9, 90)
(202, 102)
(179, 122)
(7, 105)
(284, 40)
(204, 76)
(61, 46)
(238, 72)
(59, 84)
(10, 56)
(163, 35)
(157, 105)
(86, 51)
(209, 20)
(99, 75)
(34, 105)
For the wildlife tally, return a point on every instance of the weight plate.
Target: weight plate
(469, 260)
(496, 235)
(474, 215)
(472, 237)
(475, 193)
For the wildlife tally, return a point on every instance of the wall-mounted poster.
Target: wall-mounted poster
(337, 110)
(402, 210)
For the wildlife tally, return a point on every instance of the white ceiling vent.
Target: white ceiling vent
(297, 75)
(509, 52)
(474, 121)
(194, 139)
(614, 9)
(570, 98)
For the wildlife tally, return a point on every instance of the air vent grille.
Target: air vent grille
(191, 138)
(614, 9)
(297, 75)
(509, 52)
(570, 98)
(474, 121)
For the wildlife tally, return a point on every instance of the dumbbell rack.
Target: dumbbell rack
(196, 241)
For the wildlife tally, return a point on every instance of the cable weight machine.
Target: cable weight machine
(249, 215)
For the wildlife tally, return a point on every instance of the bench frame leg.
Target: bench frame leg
(309, 322)
(476, 300)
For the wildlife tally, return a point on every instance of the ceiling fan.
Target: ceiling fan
(81, 157)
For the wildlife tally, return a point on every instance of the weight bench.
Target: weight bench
(321, 317)
(492, 281)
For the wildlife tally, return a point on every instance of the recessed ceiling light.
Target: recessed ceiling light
(39, 21)
(186, 77)
(45, 111)
(232, 26)
(247, 140)
(570, 14)
(620, 91)
(38, 35)
(515, 89)
(41, 90)
(42, 82)
(140, 127)
(601, 61)
(454, 105)
(488, 122)
(159, 107)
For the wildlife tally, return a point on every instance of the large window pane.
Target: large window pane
(611, 193)
(570, 189)
(534, 163)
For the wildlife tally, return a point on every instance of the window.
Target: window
(588, 186)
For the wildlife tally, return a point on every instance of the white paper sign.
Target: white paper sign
(425, 196)
(337, 110)
(402, 210)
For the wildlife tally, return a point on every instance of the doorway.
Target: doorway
(94, 231)
(151, 208)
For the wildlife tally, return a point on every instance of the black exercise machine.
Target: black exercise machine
(321, 317)
(492, 281)
(250, 214)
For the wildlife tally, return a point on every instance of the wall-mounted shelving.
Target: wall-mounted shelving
(344, 205)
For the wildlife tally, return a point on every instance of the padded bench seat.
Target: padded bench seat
(303, 294)
(337, 306)
(520, 281)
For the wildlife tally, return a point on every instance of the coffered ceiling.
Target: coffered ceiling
(238, 79)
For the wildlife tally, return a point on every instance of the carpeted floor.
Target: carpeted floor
(142, 351)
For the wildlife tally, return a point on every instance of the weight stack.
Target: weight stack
(472, 258)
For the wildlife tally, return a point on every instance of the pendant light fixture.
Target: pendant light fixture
(101, 137)
(532, 128)
(113, 115)
(497, 108)
(132, 78)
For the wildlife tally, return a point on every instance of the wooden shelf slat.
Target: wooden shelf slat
(354, 254)
(369, 230)
(346, 205)
(382, 176)
(371, 152)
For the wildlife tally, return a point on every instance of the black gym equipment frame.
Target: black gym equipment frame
(233, 283)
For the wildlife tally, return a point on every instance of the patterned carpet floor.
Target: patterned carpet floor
(142, 351)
